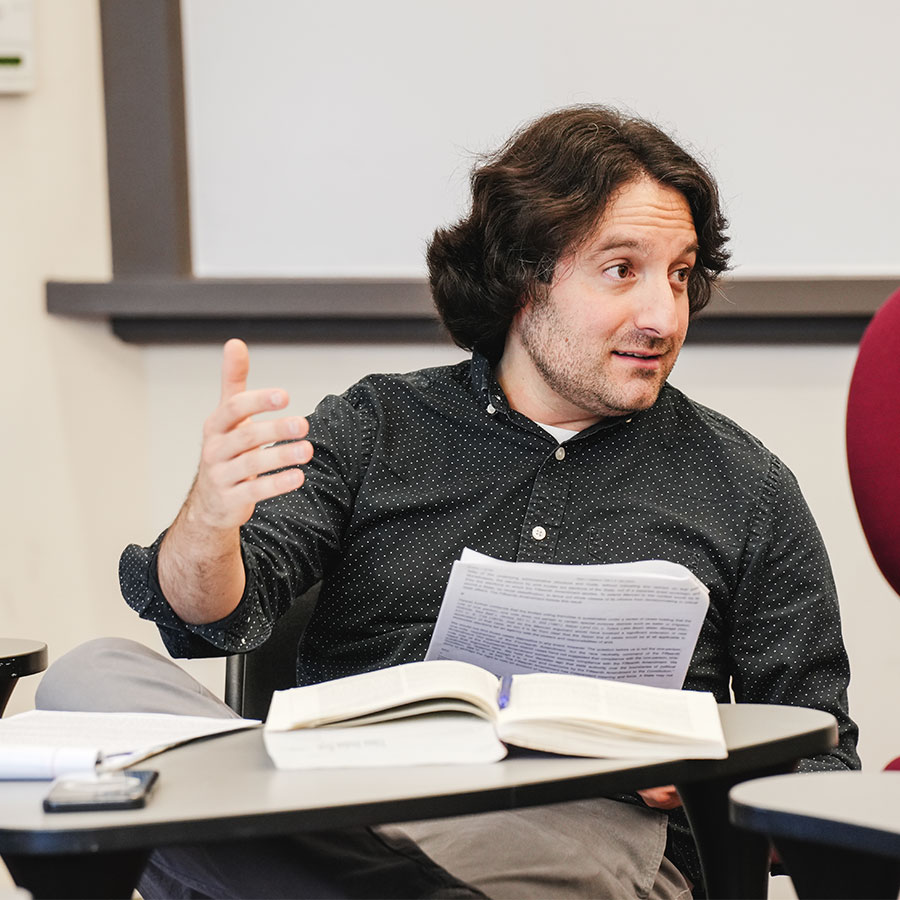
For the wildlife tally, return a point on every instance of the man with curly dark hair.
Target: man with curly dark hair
(542, 196)
(591, 240)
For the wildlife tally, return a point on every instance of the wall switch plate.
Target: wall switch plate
(16, 46)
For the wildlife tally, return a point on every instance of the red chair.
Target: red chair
(873, 437)
(873, 441)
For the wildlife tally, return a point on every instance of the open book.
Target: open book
(447, 711)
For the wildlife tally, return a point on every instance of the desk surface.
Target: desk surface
(20, 657)
(856, 810)
(228, 787)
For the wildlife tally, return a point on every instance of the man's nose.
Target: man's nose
(656, 309)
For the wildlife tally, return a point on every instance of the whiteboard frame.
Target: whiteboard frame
(154, 296)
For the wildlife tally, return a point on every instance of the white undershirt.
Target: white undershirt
(561, 434)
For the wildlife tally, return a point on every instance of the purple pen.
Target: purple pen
(503, 692)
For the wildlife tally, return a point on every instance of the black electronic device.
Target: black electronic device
(83, 792)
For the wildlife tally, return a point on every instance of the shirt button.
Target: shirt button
(538, 533)
(560, 453)
(491, 409)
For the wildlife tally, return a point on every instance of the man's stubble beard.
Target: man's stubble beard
(597, 394)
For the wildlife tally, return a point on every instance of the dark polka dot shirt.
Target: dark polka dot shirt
(409, 469)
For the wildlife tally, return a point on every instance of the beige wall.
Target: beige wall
(100, 438)
(74, 412)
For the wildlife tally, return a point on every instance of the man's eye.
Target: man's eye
(683, 275)
(619, 272)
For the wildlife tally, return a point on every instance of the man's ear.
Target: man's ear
(511, 339)
(526, 301)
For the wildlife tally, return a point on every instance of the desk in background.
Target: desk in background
(229, 788)
(17, 659)
(838, 833)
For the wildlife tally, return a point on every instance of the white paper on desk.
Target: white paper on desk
(439, 738)
(635, 622)
(28, 761)
(120, 739)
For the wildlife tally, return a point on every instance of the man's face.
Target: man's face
(604, 340)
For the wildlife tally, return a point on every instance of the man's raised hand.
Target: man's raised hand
(238, 451)
(200, 566)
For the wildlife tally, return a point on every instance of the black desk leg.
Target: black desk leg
(821, 872)
(6, 689)
(100, 875)
(735, 862)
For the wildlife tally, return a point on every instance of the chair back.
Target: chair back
(250, 678)
(873, 437)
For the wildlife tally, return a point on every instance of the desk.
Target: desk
(103, 852)
(18, 658)
(838, 833)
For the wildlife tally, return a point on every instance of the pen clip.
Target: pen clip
(504, 691)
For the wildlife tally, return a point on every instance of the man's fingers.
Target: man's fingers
(221, 446)
(241, 457)
(258, 489)
(235, 368)
(223, 505)
(226, 474)
(256, 463)
(260, 433)
(234, 410)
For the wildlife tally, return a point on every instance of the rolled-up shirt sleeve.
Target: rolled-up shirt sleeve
(140, 588)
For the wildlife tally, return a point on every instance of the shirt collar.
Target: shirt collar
(494, 401)
(487, 387)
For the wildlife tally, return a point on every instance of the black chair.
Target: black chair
(250, 678)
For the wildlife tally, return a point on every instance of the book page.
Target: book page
(593, 717)
(635, 622)
(630, 707)
(395, 688)
(115, 739)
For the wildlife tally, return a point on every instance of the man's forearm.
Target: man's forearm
(200, 571)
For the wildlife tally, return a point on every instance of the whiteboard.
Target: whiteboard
(331, 138)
